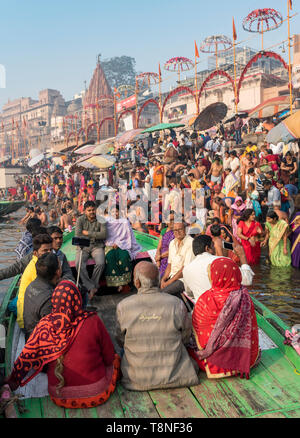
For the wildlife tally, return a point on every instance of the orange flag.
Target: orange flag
(159, 71)
(196, 51)
(234, 30)
(291, 4)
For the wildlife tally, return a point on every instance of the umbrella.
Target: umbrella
(6, 158)
(102, 149)
(87, 149)
(102, 161)
(127, 136)
(210, 116)
(35, 160)
(286, 131)
(163, 126)
(34, 153)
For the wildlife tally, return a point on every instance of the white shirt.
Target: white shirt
(195, 275)
(235, 164)
(180, 256)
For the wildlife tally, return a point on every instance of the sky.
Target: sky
(54, 44)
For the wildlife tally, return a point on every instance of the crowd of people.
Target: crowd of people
(214, 205)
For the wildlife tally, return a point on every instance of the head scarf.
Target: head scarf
(236, 207)
(53, 335)
(227, 307)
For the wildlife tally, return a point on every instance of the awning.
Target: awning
(270, 107)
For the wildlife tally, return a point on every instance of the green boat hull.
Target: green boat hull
(8, 207)
(273, 389)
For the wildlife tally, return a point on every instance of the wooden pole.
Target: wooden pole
(136, 103)
(196, 85)
(262, 35)
(234, 67)
(217, 64)
(160, 103)
(290, 58)
(115, 114)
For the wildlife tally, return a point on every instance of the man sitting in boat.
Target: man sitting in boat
(195, 275)
(153, 327)
(37, 300)
(180, 255)
(25, 245)
(42, 244)
(56, 235)
(88, 227)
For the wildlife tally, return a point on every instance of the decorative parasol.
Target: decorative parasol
(35, 160)
(179, 64)
(286, 131)
(215, 44)
(210, 116)
(147, 79)
(262, 20)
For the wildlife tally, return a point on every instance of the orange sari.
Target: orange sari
(158, 176)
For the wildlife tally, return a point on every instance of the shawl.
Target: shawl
(231, 181)
(227, 308)
(119, 232)
(237, 208)
(276, 234)
(53, 335)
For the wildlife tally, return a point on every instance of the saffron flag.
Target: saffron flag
(159, 71)
(291, 4)
(234, 30)
(196, 51)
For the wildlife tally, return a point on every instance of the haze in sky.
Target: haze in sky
(55, 44)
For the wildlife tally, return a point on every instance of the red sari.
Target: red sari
(224, 325)
(252, 252)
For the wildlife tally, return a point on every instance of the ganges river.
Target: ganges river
(276, 288)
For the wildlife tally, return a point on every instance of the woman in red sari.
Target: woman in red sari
(74, 348)
(225, 330)
(249, 231)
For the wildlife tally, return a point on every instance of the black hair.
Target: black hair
(272, 215)
(246, 214)
(215, 230)
(280, 181)
(89, 204)
(47, 265)
(267, 182)
(41, 239)
(54, 229)
(216, 219)
(38, 231)
(200, 243)
(251, 170)
(64, 211)
(32, 224)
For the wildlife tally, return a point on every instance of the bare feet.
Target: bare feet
(92, 293)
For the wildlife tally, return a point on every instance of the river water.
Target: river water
(276, 288)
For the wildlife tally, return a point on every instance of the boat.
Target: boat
(7, 207)
(273, 390)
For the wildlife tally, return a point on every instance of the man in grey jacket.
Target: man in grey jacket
(88, 227)
(153, 327)
(37, 299)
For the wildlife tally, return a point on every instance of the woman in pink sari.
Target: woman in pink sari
(237, 208)
(249, 232)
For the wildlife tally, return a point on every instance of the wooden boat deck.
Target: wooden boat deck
(272, 391)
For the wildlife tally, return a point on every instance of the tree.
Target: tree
(119, 70)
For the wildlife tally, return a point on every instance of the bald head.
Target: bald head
(146, 275)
